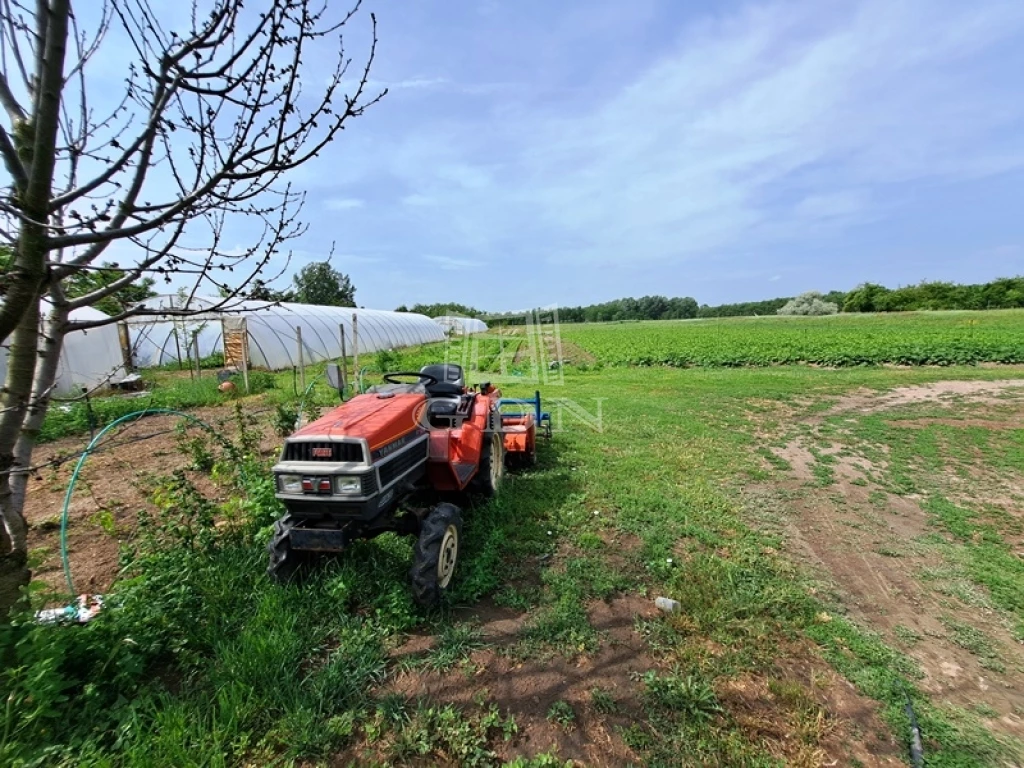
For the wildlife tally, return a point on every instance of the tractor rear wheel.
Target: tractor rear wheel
(492, 465)
(285, 563)
(436, 554)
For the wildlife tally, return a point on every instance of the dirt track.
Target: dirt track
(880, 550)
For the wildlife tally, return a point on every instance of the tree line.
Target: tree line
(1003, 293)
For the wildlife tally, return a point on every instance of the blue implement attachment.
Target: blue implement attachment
(543, 417)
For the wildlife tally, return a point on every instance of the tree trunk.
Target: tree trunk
(21, 369)
(50, 347)
(36, 141)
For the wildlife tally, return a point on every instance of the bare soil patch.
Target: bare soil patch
(939, 392)
(831, 724)
(571, 353)
(871, 544)
(114, 485)
(528, 688)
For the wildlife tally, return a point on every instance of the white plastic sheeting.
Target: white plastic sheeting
(89, 359)
(461, 326)
(273, 339)
(156, 343)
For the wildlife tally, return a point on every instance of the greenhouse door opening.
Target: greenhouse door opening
(236, 343)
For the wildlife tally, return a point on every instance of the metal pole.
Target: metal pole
(344, 356)
(355, 348)
(302, 358)
(245, 354)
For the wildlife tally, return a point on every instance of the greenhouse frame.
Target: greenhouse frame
(272, 331)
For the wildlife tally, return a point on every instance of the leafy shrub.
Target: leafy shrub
(285, 419)
(259, 381)
(197, 658)
(213, 360)
(388, 361)
(691, 696)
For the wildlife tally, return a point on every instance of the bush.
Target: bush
(259, 381)
(213, 360)
(388, 361)
(811, 303)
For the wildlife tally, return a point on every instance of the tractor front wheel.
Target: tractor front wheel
(436, 554)
(285, 562)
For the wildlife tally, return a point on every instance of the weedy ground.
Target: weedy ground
(814, 601)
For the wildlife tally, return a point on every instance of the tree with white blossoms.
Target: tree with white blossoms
(809, 303)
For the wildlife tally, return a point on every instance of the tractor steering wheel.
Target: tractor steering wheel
(424, 378)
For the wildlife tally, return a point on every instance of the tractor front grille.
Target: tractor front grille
(369, 484)
(401, 464)
(322, 451)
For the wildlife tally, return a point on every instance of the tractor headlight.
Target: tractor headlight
(290, 483)
(348, 484)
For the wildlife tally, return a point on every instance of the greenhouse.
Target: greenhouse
(267, 335)
(460, 326)
(88, 359)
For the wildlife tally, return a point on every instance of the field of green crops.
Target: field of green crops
(919, 338)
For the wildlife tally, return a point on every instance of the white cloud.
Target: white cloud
(342, 203)
(406, 84)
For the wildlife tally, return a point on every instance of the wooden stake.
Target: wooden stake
(245, 354)
(344, 356)
(302, 359)
(355, 348)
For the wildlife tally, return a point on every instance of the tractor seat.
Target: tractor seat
(450, 379)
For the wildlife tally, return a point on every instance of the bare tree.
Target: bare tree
(212, 117)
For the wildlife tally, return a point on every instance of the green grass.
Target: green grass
(912, 338)
(201, 661)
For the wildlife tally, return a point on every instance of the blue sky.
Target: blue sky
(534, 153)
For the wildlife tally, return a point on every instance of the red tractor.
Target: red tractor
(351, 473)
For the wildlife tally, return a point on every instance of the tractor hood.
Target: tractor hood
(379, 419)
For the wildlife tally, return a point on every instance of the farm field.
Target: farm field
(913, 338)
(839, 541)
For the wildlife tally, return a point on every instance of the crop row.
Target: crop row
(953, 338)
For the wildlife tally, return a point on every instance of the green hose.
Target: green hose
(81, 461)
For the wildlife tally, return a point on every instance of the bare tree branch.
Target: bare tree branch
(12, 161)
(7, 100)
(209, 121)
